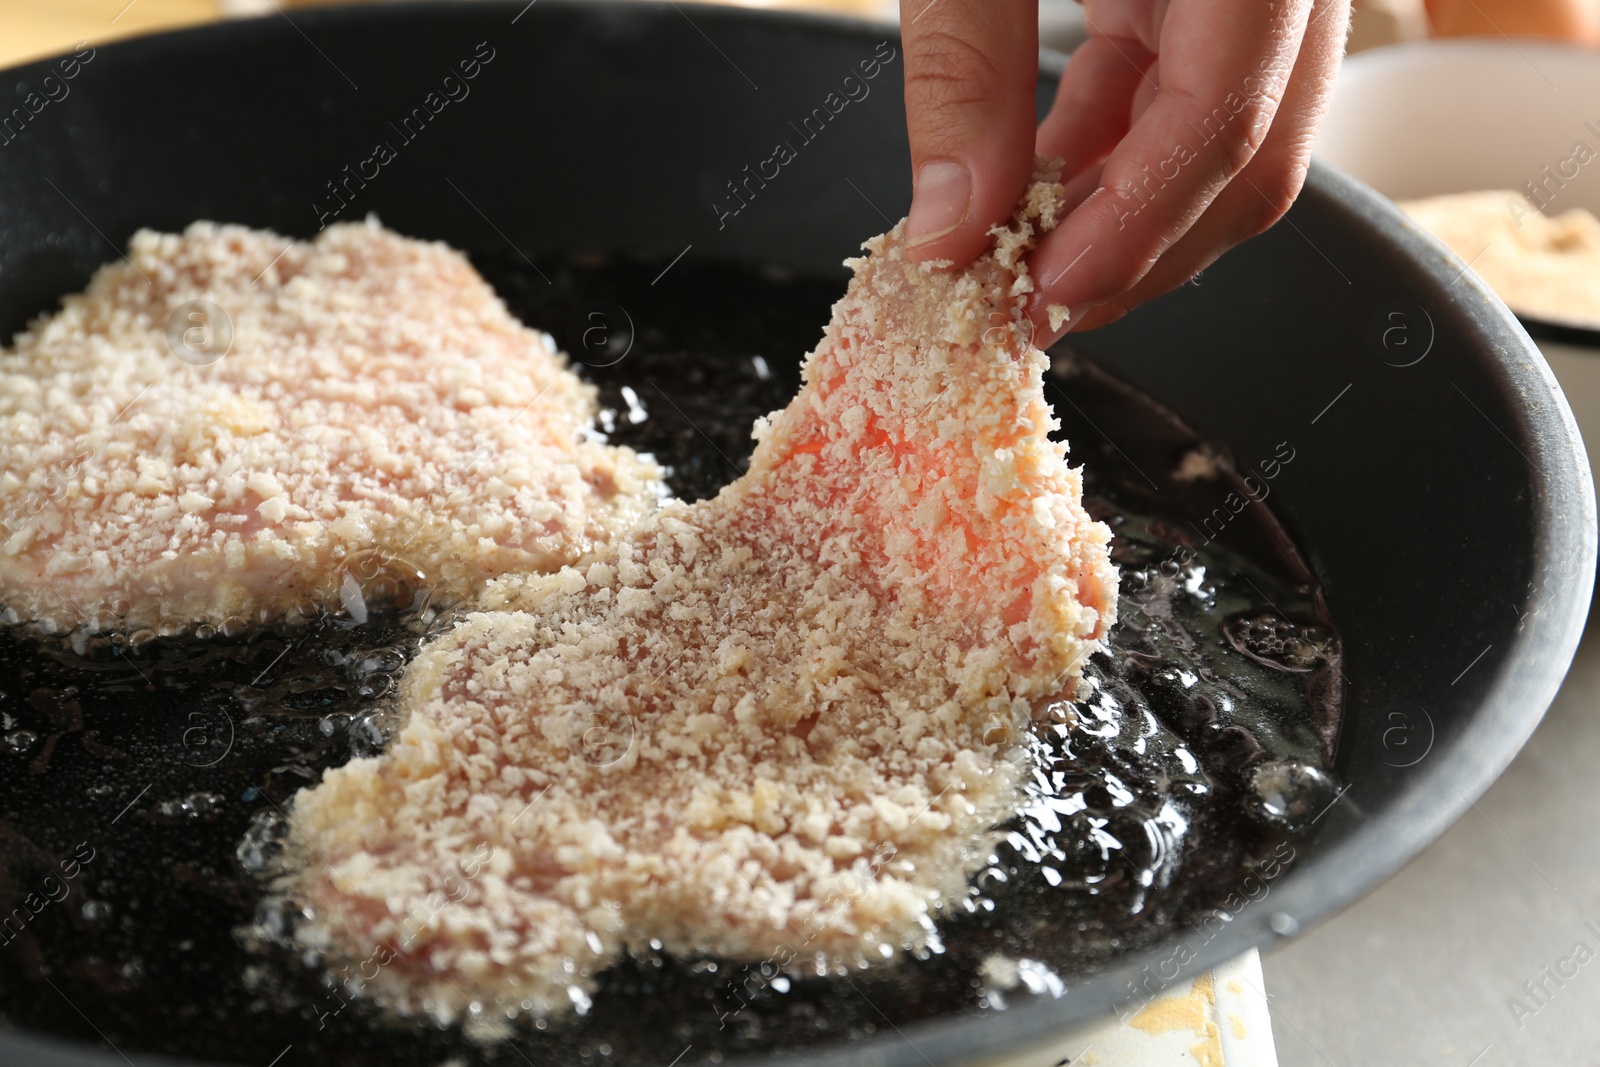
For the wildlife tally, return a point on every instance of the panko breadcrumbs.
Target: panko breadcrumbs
(378, 410)
(779, 724)
(1541, 265)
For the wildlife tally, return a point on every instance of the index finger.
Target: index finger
(1215, 98)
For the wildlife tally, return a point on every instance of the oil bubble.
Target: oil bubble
(1289, 793)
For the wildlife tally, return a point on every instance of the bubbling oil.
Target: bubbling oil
(144, 778)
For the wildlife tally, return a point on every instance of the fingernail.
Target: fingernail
(939, 204)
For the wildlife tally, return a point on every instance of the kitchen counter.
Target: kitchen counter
(1430, 969)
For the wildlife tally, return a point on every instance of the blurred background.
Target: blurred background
(36, 28)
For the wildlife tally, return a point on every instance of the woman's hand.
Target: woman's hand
(1184, 126)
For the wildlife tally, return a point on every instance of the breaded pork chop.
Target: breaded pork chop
(779, 724)
(375, 399)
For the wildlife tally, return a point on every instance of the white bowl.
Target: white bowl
(1455, 116)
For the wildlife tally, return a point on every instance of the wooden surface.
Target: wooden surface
(30, 29)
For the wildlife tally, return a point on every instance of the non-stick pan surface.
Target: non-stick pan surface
(1439, 486)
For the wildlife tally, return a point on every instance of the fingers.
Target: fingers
(970, 69)
(1093, 109)
(1263, 191)
(1215, 99)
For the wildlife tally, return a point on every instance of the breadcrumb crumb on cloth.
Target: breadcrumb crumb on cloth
(781, 723)
(360, 395)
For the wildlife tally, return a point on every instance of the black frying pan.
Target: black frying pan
(1446, 505)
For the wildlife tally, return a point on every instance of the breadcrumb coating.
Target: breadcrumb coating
(378, 409)
(779, 724)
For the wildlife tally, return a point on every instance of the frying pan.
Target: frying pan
(1442, 500)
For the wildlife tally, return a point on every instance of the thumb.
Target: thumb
(970, 70)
